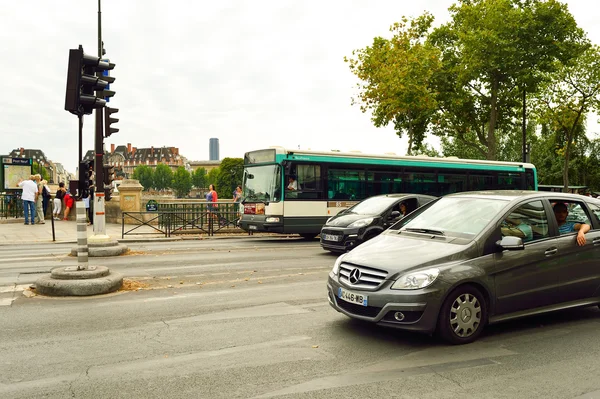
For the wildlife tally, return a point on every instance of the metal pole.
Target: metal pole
(98, 203)
(80, 117)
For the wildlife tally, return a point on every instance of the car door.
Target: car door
(579, 270)
(527, 279)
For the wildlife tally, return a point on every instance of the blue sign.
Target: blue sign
(106, 73)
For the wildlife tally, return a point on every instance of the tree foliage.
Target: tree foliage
(163, 177)
(464, 80)
(38, 169)
(395, 79)
(182, 182)
(565, 101)
(199, 178)
(145, 175)
(229, 176)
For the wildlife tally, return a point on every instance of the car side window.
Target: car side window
(529, 221)
(595, 212)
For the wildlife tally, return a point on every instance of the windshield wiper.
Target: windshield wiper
(425, 231)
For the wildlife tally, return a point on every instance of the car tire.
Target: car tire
(463, 315)
(370, 234)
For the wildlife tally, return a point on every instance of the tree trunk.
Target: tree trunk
(491, 135)
(566, 166)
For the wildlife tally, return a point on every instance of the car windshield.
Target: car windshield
(454, 216)
(372, 206)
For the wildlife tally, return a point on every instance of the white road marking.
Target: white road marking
(6, 301)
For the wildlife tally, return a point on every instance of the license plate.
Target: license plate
(252, 227)
(331, 237)
(352, 297)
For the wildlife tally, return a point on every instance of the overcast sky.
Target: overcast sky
(250, 73)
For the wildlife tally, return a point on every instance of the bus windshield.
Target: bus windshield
(262, 183)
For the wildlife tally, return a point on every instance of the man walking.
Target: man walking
(29, 196)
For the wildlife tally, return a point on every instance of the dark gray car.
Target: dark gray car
(367, 219)
(469, 259)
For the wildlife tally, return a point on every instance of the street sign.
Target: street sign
(152, 206)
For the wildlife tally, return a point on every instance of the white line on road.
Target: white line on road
(6, 301)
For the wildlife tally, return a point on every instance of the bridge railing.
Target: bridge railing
(11, 205)
(183, 217)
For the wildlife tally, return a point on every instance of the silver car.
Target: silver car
(469, 259)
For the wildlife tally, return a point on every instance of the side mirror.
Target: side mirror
(395, 214)
(511, 243)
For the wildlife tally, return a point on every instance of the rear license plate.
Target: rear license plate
(252, 227)
(352, 297)
(331, 237)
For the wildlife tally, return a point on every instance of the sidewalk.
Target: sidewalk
(14, 231)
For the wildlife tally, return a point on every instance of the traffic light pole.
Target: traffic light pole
(99, 217)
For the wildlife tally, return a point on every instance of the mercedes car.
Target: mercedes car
(467, 260)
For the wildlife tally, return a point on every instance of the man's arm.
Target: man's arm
(581, 228)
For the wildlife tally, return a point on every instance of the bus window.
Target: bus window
(347, 185)
(451, 182)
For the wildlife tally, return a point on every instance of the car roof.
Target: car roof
(513, 195)
(401, 195)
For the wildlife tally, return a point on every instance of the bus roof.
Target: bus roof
(390, 156)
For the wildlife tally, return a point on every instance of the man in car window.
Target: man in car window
(561, 211)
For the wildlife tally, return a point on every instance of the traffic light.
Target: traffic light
(108, 130)
(109, 176)
(85, 179)
(82, 82)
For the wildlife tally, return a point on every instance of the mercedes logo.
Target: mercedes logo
(354, 276)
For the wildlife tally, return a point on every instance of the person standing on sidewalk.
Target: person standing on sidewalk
(28, 196)
(60, 194)
(39, 200)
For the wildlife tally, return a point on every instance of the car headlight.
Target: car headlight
(272, 219)
(416, 280)
(361, 222)
(336, 265)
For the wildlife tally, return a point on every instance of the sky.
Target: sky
(251, 73)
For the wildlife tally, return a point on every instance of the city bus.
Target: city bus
(327, 182)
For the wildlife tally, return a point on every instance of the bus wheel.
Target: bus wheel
(308, 236)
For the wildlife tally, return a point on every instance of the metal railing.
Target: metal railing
(183, 217)
(11, 205)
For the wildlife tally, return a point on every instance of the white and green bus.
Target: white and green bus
(330, 181)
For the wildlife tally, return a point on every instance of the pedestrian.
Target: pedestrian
(211, 199)
(39, 200)
(68, 204)
(237, 198)
(45, 196)
(28, 196)
(86, 202)
(58, 198)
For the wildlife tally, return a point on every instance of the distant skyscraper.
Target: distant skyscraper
(213, 150)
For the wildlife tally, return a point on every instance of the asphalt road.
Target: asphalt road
(249, 318)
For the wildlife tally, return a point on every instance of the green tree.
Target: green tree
(565, 102)
(163, 177)
(38, 169)
(493, 50)
(182, 182)
(144, 175)
(199, 178)
(395, 77)
(229, 176)
(211, 178)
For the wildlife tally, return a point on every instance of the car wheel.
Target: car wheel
(369, 235)
(462, 316)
